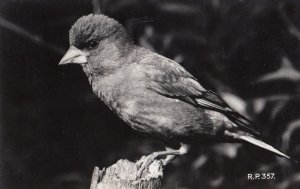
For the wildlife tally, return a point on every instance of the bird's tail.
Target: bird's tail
(251, 139)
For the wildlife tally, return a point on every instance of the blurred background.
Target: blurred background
(54, 130)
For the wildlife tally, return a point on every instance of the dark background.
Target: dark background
(54, 130)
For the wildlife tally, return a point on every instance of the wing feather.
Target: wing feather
(168, 78)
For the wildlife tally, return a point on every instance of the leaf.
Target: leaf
(286, 71)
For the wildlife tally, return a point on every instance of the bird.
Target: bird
(151, 93)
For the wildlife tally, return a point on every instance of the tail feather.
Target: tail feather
(263, 145)
(257, 142)
(243, 123)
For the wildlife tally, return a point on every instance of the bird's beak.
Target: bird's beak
(74, 55)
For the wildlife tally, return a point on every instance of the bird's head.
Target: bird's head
(94, 39)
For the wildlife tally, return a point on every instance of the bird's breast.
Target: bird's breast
(144, 116)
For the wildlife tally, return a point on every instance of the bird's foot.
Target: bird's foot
(147, 162)
(171, 154)
(168, 160)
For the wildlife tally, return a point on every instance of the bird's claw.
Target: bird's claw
(163, 162)
(144, 165)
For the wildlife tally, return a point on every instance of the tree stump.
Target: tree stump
(123, 175)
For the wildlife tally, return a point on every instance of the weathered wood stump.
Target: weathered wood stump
(123, 175)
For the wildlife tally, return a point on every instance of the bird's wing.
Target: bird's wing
(168, 78)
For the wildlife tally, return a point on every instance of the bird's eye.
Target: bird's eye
(92, 45)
